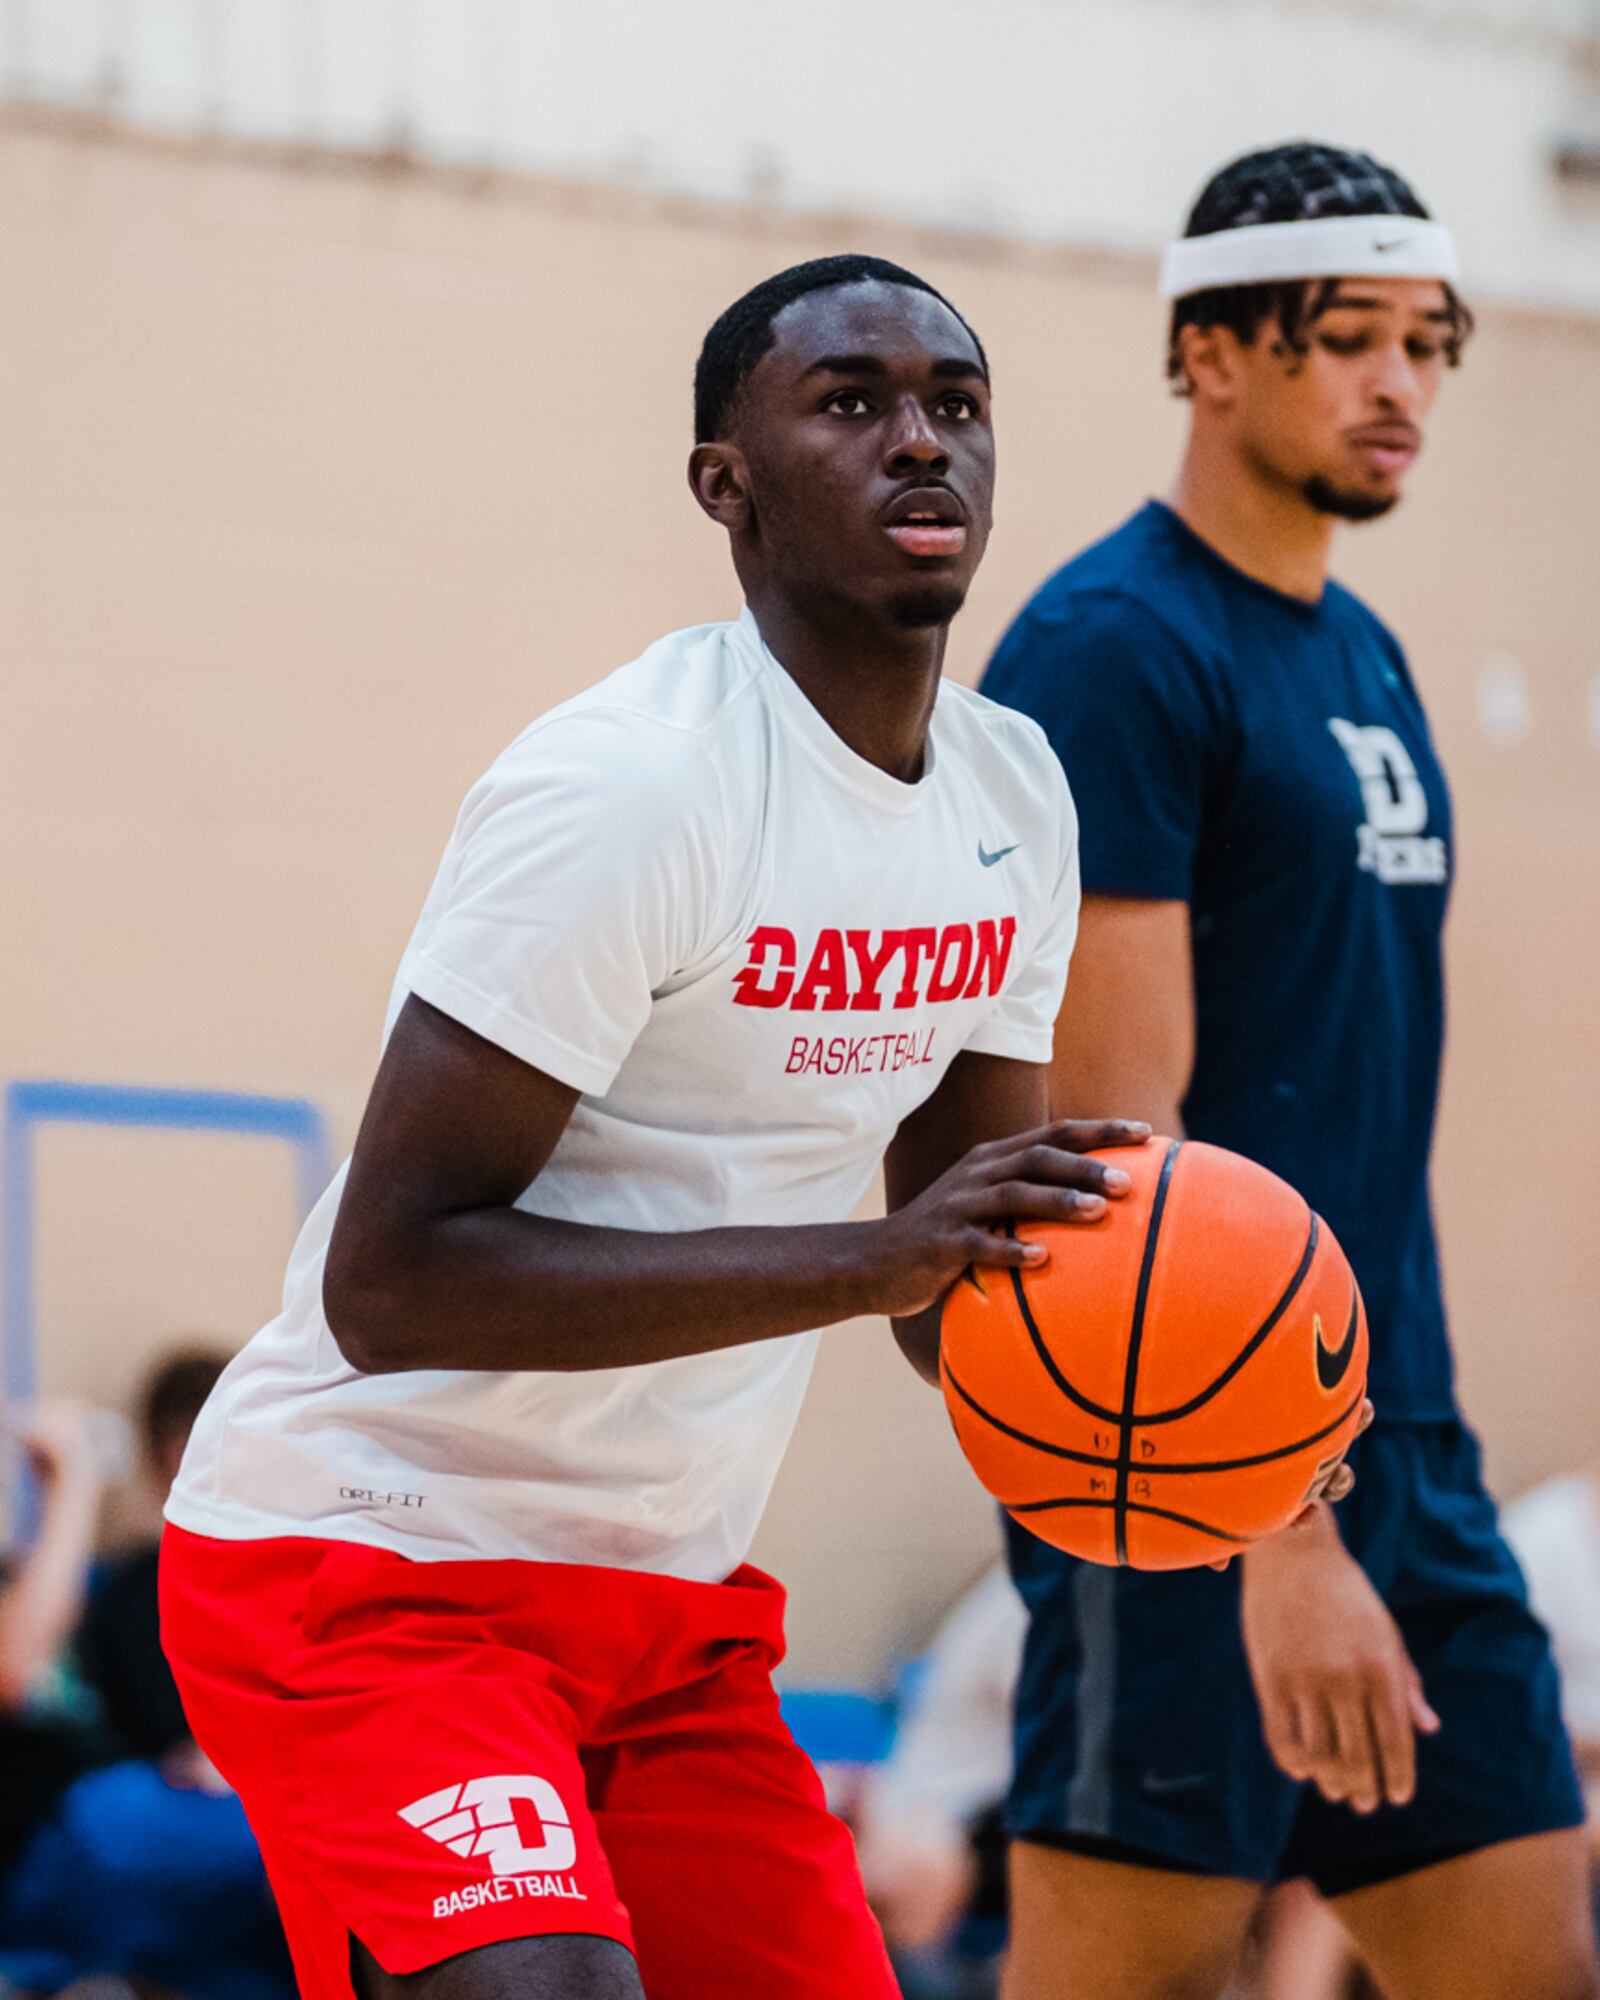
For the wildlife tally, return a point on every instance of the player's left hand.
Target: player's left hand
(1341, 1700)
(1336, 1484)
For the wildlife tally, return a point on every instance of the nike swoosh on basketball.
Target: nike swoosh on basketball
(1332, 1362)
(988, 860)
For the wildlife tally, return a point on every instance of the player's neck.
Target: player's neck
(875, 689)
(1269, 531)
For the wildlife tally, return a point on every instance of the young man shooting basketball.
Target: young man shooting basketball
(1266, 856)
(455, 1587)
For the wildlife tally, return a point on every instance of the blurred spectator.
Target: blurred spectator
(929, 1838)
(119, 1643)
(1555, 1533)
(46, 1740)
(127, 1857)
(1303, 1952)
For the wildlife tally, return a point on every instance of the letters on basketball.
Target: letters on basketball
(1170, 1386)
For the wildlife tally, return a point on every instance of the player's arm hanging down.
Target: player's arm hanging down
(1340, 1699)
(1126, 1032)
(432, 1265)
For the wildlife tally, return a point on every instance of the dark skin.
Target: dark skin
(871, 404)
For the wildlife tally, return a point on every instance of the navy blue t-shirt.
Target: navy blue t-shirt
(1268, 762)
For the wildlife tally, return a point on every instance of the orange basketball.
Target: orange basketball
(1169, 1386)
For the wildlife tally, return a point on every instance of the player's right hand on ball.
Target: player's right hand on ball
(959, 1222)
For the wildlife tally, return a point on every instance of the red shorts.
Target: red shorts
(441, 1755)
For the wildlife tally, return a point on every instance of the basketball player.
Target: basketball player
(1266, 856)
(455, 1583)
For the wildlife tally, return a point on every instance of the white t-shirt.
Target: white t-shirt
(754, 953)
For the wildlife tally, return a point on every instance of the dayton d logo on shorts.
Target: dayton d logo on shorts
(480, 1819)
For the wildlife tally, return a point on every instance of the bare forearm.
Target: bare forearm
(1315, 1534)
(433, 1264)
(1153, 1099)
(1126, 1036)
(918, 1339)
(39, 1610)
(501, 1289)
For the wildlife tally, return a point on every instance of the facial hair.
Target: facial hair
(1342, 502)
(933, 604)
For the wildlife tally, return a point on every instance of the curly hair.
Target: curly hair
(1298, 182)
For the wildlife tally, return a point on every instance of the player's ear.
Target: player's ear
(720, 480)
(1210, 358)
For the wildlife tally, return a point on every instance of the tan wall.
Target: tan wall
(314, 485)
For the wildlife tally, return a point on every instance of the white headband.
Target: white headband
(1333, 246)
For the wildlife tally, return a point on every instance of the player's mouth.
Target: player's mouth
(1388, 447)
(926, 521)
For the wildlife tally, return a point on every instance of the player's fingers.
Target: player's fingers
(1070, 1135)
(1340, 1482)
(1357, 1759)
(1026, 1201)
(1319, 1745)
(1310, 1738)
(1367, 1415)
(1418, 1707)
(989, 1250)
(1396, 1745)
(1085, 1135)
(1031, 1204)
(1281, 1729)
(1053, 1166)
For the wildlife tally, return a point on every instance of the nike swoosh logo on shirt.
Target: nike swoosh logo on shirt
(988, 860)
(1332, 1362)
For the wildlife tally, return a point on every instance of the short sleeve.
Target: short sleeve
(1022, 1022)
(1134, 718)
(577, 882)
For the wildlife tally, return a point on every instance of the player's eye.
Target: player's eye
(847, 403)
(1422, 349)
(1343, 343)
(958, 405)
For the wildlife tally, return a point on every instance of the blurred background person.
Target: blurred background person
(929, 1837)
(1554, 1531)
(119, 1643)
(1303, 1952)
(122, 1851)
(47, 1736)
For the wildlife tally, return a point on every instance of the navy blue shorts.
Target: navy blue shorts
(1138, 1733)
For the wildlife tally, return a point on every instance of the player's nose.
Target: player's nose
(1396, 382)
(913, 443)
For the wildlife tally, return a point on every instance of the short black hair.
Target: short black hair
(1297, 182)
(175, 1393)
(739, 337)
